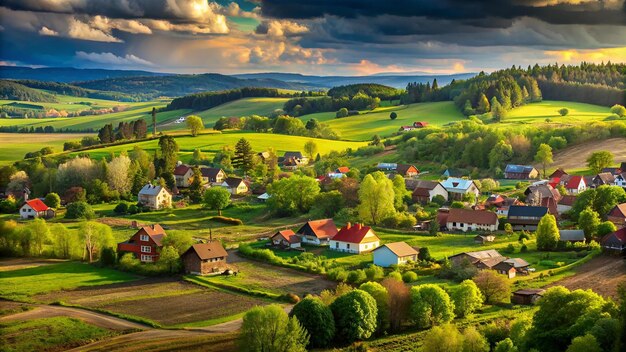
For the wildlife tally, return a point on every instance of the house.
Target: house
(263, 156)
(406, 170)
(387, 166)
(458, 187)
(494, 200)
(145, 244)
(183, 175)
(213, 175)
(482, 239)
(205, 258)
(615, 241)
(558, 173)
(538, 192)
(342, 170)
(520, 265)
(155, 197)
(617, 215)
(603, 178)
(471, 220)
(292, 160)
(486, 259)
(505, 268)
(453, 173)
(572, 235)
(420, 124)
(425, 191)
(354, 239)
(520, 172)
(565, 204)
(620, 180)
(396, 253)
(235, 185)
(525, 217)
(527, 296)
(35, 208)
(286, 238)
(503, 208)
(318, 232)
(576, 185)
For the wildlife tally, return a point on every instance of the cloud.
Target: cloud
(47, 31)
(274, 28)
(106, 24)
(82, 30)
(594, 55)
(108, 58)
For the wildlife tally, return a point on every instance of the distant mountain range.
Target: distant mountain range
(153, 84)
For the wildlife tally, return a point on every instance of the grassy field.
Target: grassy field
(241, 107)
(49, 334)
(363, 127)
(537, 113)
(24, 283)
(69, 103)
(212, 143)
(13, 146)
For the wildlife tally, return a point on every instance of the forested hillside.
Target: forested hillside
(14, 91)
(207, 100)
(75, 91)
(371, 89)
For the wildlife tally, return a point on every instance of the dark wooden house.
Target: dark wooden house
(205, 258)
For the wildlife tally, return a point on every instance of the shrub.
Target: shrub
(343, 112)
(510, 249)
(292, 298)
(317, 319)
(121, 208)
(395, 275)
(227, 220)
(79, 210)
(374, 273)
(134, 209)
(357, 276)
(409, 276)
(393, 115)
(355, 316)
(52, 200)
(563, 111)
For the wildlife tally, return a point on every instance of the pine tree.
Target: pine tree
(483, 104)
(244, 156)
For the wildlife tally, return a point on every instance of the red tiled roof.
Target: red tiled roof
(209, 250)
(181, 170)
(619, 234)
(558, 173)
(420, 124)
(568, 200)
(324, 228)
(288, 235)
(155, 231)
(343, 169)
(618, 210)
(472, 216)
(574, 182)
(37, 205)
(355, 234)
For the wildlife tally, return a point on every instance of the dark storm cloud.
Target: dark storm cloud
(593, 12)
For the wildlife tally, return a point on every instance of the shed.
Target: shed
(527, 296)
(396, 253)
(205, 258)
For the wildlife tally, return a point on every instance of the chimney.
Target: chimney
(348, 226)
(359, 226)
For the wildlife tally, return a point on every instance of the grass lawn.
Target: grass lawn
(538, 112)
(13, 146)
(238, 108)
(363, 127)
(23, 283)
(212, 143)
(49, 334)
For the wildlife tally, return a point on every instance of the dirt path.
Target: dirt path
(23, 263)
(97, 319)
(601, 274)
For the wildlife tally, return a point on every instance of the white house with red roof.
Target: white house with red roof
(355, 239)
(146, 243)
(318, 232)
(183, 175)
(286, 238)
(35, 208)
(576, 185)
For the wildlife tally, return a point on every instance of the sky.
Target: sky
(321, 37)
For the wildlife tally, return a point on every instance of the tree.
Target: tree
(327, 204)
(586, 343)
(588, 221)
(393, 115)
(473, 341)
(39, 235)
(343, 112)
(618, 110)
(355, 316)
(563, 111)
(94, 237)
(52, 200)
(605, 228)
(310, 148)
(376, 197)
(505, 345)
(180, 240)
(269, 328)
(317, 319)
(117, 174)
(494, 287)
(544, 157)
(445, 338)
(380, 294)
(195, 124)
(170, 259)
(424, 254)
(430, 305)
(500, 154)
(79, 210)
(483, 104)
(399, 302)
(599, 160)
(169, 153)
(64, 242)
(547, 233)
(292, 195)
(467, 298)
(217, 198)
(244, 155)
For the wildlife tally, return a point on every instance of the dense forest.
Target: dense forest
(10, 90)
(373, 90)
(75, 91)
(207, 100)
(310, 105)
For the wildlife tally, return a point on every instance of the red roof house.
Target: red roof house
(558, 173)
(576, 185)
(35, 208)
(145, 243)
(420, 124)
(343, 169)
(286, 238)
(617, 215)
(615, 241)
(318, 232)
(355, 239)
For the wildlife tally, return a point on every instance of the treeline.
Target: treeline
(310, 105)
(606, 74)
(281, 125)
(75, 91)
(137, 129)
(43, 129)
(469, 144)
(372, 89)
(582, 93)
(207, 100)
(10, 90)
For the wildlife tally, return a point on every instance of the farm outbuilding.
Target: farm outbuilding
(397, 253)
(527, 296)
(205, 258)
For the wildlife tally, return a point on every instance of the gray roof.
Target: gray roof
(518, 169)
(517, 262)
(521, 210)
(233, 182)
(297, 155)
(572, 235)
(151, 190)
(413, 184)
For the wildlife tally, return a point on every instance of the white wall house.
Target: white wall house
(397, 253)
(155, 197)
(471, 220)
(354, 239)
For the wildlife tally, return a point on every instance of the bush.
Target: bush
(395, 275)
(317, 319)
(563, 111)
(121, 208)
(409, 277)
(227, 220)
(374, 273)
(52, 200)
(393, 115)
(291, 298)
(510, 249)
(357, 276)
(79, 210)
(134, 209)
(355, 316)
(343, 112)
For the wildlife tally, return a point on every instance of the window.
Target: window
(146, 258)
(144, 238)
(145, 249)
(348, 245)
(336, 244)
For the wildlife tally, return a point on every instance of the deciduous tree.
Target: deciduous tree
(495, 288)
(467, 298)
(599, 160)
(195, 124)
(355, 316)
(292, 195)
(589, 221)
(217, 198)
(376, 196)
(269, 328)
(317, 319)
(544, 157)
(547, 233)
(310, 148)
(52, 200)
(380, 294)
(430, 305)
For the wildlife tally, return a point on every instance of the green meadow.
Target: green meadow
(241, 107)
(13, 146)
(537, 113)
